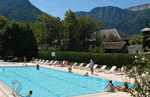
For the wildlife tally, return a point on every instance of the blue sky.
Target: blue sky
(58, 8)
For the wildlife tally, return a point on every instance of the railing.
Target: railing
(16, 92)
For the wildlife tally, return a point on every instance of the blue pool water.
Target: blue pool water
(52, 83)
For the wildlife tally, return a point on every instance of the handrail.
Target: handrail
(15, 92)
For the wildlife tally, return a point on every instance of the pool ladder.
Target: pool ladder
(16, 92)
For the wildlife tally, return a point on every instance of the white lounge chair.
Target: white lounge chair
(78, 67)
(49, 62)
(35, 61)
(94, 67)
(85, 67)
(45, 62)
(54, 63)
(41, 62)
(38, 62)
(111, 70)
(101, 69)
(64, 62)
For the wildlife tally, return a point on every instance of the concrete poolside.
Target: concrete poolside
(113, 77)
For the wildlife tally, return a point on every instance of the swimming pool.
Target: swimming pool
(52, 83)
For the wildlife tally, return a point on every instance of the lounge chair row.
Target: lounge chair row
(81, 67)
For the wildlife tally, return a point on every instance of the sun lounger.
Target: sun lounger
(35, 61)
(39, 61)
(111, 70)
(49, 62)
(121, 72)
(78, 67)
(94, 67)
(75, 64)
(85, 67)
(101, 69)
(54, 63)
(65, 63)
(44, 62)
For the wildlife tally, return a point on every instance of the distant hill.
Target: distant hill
(125, 20)
(20, 10)
(130, 20)
(139, 8)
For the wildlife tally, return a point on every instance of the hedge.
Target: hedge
(108, 59)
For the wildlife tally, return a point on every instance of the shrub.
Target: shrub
(99, 58)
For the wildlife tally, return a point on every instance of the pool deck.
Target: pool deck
(102, 75)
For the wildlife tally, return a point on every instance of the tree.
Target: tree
(96, 49)
(47, 29)
(140, 75)
(136, 39)
(70, 32)
(3, 22)
(111, 37)
(87, 26)
(19, 39)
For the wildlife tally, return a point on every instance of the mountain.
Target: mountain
(20, 10)
(125, 20)
(139, 8)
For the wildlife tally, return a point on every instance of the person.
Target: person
(37, 67)
(33, 59)
(119, 70)
(91, 66)
(120, 88)
(86, 74)
(30, 93)
(25, 59)
(111, 87)
(61, 64)
(69, 69)
(3, 69)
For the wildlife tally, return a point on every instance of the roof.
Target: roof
(145, 30)
(114, 45)
(115, 32)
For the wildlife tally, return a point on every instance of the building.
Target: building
(113, 47)
(135, 49)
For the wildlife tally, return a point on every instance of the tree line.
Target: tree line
(48, 33)
(51, 34)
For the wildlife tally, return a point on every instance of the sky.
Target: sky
(58, 8)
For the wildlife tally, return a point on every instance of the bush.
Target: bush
(99, 58)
